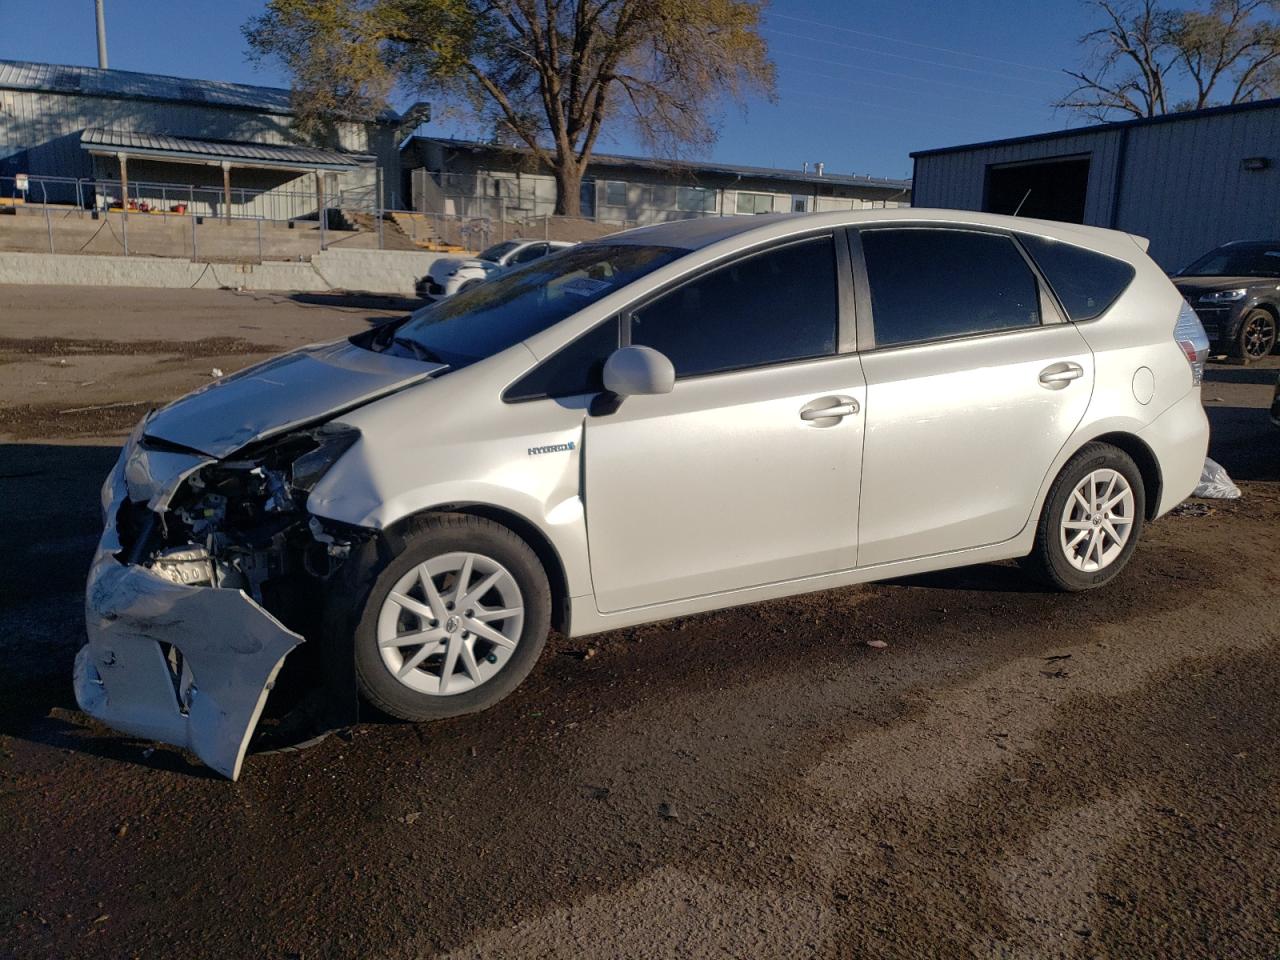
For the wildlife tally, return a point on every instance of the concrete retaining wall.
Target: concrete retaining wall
(371, 271)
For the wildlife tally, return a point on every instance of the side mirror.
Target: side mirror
(635, 371)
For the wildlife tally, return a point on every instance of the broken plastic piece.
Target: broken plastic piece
(207, 696)
(231, 648)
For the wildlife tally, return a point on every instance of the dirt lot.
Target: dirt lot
(1017, 774)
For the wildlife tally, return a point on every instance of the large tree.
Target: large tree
(1147, 59)
(549, 74)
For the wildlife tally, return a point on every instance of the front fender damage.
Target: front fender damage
(182, 647)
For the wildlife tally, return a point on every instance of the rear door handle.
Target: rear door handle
(1058, 375)
(828, 408)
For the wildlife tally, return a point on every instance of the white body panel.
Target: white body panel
(720, 485)
(959, 435)
(673, 488)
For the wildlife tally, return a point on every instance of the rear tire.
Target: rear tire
(1091, 521)
(466, 641)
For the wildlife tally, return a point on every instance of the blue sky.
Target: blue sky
(860, 84)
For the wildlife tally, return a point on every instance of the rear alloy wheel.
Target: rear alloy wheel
(1257, 337)
(1091, 519)
(1097, 521)
(454, 622)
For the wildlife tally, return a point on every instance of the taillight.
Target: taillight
(1191, 337)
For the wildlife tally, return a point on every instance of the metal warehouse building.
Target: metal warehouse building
(228, 147)
(1188, 181)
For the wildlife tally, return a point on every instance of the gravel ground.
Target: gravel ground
(1016, 774)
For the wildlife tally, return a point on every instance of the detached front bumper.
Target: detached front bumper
(186, 665)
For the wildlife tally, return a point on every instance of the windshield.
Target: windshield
(1238, 260)
(491, 316)
(497, 251)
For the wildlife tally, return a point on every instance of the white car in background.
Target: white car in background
(449, 275)
(657, 423)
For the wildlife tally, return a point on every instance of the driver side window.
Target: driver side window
(773, 307)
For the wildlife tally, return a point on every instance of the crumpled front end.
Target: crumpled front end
(182, 646)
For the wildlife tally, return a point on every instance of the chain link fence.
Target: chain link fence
(91, 216)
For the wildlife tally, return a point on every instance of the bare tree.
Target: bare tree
(1144, 55)
(1230, 44)
(550, 74)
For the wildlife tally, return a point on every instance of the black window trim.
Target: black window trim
(862, 284)
(847, 330)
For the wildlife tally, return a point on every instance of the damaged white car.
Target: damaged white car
(662, 422)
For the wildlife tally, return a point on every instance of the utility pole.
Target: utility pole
(102, 36)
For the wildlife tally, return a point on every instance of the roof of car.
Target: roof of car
(694, 234)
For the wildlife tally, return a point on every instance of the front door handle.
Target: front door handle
(1058, 375)
(828, 409)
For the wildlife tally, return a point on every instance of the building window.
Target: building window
(615, 193)
(799, 203)
(755, 202)
(696, 200)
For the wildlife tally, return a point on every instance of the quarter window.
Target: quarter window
(1087, 283)
(931, 284)
(769, 308)
(576, 369)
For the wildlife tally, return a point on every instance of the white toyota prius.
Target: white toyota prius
(661, 422)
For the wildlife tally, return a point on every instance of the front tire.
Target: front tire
(1091, 520)
(454, 622)
(1257, 336)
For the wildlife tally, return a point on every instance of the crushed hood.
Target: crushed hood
(283, 393)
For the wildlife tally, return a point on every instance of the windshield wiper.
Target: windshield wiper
(419, 351)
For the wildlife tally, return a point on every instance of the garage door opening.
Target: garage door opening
(1045, 189)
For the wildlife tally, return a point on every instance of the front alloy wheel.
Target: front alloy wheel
(453, 622)
(1257, 336)
(450, 624)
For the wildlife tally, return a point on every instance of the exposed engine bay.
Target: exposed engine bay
(208, 574)
(242, 523)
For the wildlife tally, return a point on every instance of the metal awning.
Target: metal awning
(158, 146)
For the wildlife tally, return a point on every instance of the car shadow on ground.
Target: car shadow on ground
(982, 577)
(1245, 442)
(1226, 373)
(50, 512)
(359, 301)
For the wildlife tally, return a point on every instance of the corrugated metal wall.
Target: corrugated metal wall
(40, 132)
(1186, 189)
(957, 180)
(1182, 185)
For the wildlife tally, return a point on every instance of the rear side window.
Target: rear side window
(769, 308)
(931, 284)
(575, 369)
(1087, 283)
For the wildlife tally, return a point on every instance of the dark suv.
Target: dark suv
(1236, 291)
